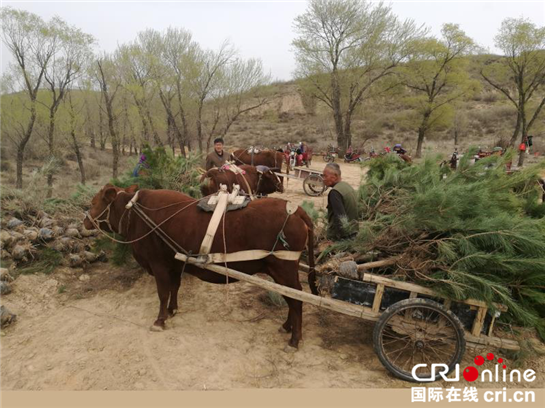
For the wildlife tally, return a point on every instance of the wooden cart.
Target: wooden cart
(313, 183)
(414, 324)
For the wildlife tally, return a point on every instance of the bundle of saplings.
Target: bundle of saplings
(163, 170)
(476, 232)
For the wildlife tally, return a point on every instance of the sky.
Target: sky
(261, 29)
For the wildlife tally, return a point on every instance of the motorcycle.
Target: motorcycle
(354, 156)
(330, 155)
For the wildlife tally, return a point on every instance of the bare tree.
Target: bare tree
(178, 55)
(28, 39)
(209, 66)
(72, 53)
(74, 109)
(109, 86)
(240, 90)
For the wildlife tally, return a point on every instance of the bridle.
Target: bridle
(277, 183)
(96, 221)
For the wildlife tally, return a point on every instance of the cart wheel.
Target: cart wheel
(314, 185)
(418, 331)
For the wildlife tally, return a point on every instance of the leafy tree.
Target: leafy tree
(108, 78)
(436, 77)
(520, 73)
(346, 47)
(28, 38)
(206, 80)
(71, 55)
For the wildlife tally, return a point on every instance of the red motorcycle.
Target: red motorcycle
(352, 156)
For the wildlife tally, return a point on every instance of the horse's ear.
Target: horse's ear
(110, 194)
(132, 189)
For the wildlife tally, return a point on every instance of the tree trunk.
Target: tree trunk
(199, 126)
(93, 139)
(20, 158)
(115, 144)
(156, 138)
(172, 126)
(522, 154)
(90, 128)
(22, 145)
(145, 130)
(78, 155)
(101, 129)
(422, 133)
(515, 132)
(337, 113)
(51, 146)
(348, 130)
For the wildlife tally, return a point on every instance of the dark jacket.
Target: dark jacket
(342, 206)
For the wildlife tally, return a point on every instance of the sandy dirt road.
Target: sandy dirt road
(89, 330)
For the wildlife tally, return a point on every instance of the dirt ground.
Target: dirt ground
(88, 329)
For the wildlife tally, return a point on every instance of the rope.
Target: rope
(278, 236)
(227, 288)
(153, 227)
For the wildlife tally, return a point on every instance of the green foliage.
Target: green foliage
(166, 171)
(120, 254)
(48, 261)
(436, 77)
(471, 233)
(312, 212)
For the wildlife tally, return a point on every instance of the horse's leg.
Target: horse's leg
(286, 273)
(175, 280)
(163, 282)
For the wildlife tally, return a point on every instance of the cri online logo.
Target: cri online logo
(471, 373)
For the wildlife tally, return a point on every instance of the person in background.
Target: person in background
(399, 150)
(342, 205)
(218, 157)
(140, 165)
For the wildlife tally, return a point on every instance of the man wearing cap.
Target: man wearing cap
(342, 205)
(218, 157)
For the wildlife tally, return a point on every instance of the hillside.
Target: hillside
(486, 120)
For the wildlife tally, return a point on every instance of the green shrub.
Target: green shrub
(166, 171)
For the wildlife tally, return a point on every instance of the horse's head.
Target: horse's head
(99, 214)
(269, 182)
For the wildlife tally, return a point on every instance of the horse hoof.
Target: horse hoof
(289, 349)
(173, 312)
(155, 328)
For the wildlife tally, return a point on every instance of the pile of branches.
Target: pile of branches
(477, 232)
(164, 170)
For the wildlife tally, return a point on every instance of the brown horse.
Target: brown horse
(258, 226)
(269, 158)
(258, 181)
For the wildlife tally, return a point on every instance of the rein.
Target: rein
(154, 227)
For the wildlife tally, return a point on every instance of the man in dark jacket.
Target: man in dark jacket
(342, 205)
(218, 157)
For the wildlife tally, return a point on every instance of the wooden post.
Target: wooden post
(478, 322)
(378, 298)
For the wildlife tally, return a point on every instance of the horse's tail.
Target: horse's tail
(310, 249)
